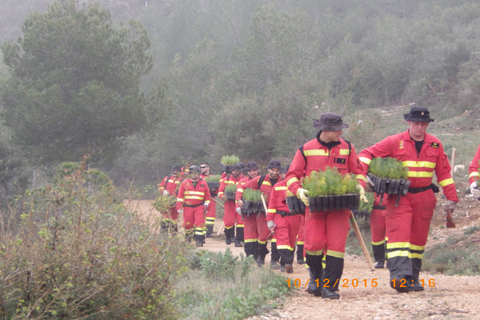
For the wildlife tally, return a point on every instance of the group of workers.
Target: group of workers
(399, 228)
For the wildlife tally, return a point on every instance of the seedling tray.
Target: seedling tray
(295, 205)
(230, 196)
(334, 202)
(252, 207)
(398, 187)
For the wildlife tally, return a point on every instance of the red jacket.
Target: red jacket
(266, 187)
(241, 188)
(314, 156)
(421, 167)
(191, 195)
(230, 179)
(170, 185)
(474, 175)
(278, 200)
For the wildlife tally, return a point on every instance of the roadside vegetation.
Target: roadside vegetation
(72, 250)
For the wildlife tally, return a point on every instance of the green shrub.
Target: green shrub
(231, 188)
(367, 207)
(471, 230)
(230, 160)
(389, 168)
(213, 177)
(164, 203)
(79, 254)
(329, 182)
(228, 287)
(252, 195)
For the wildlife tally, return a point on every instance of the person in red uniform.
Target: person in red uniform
(474, 175)
(283, 223)
(168, 187)
(263, 183)
(409, 222)
(378, 228)
(231, 216)
(301, 241)
(212, 208)
(250, 222)
(325, 232)
(193, 200)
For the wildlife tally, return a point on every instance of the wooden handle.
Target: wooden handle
(362, 243)
(218, 202)
(453, 161)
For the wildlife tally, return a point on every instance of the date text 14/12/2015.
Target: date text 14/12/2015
(346, 283)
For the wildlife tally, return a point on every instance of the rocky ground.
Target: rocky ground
(366, 294)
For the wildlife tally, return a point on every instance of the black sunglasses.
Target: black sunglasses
(203, 167)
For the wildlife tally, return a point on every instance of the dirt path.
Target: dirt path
(367, 295)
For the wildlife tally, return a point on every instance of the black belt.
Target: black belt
(286, 214)
(193, 206)
(379, 208)
(417, 190)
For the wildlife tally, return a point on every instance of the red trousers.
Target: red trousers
(231, 216)
(211, 213)
(193, 217)
(263, 232)
(171, 215)
(378, 226)
(410, 221)
(250, 228)
(326, 232)
(301, 231)
(286, 231)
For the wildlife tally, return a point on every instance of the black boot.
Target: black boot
(199, 239)
(239, 237)
(228, 235)
(332, 275)
(300, 259)
(262, 253)
(315, 283)
(189, 235)
(315, 270)
(414, 284)
(209, 230)
(379, 255)
(275, 257)
(328, 293)
(251, 249)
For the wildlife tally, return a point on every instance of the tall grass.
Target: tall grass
(70, 251)
(222, 286)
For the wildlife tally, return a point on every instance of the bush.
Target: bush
(230, 160)
(228, 287)
(389, 168)
(78, 254)
(329, 182)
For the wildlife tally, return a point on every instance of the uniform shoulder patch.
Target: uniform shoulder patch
(435, 145)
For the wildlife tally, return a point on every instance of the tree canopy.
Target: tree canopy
(75, 81)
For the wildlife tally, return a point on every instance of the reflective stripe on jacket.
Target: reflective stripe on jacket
(314, 156)
(191, 195)
(473, 169)
(421, 167)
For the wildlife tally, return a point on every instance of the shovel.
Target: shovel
(450, 223)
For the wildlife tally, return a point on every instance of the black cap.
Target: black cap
(251, 165)
(418, 114)
(274, 164)
(238, 166)
(176, 168)
(330, 121)
(194, 168)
